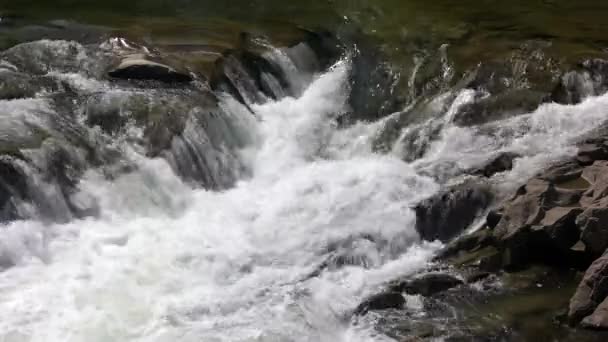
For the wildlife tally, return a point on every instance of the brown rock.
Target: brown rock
(558, 227)
(588, 153)
(592, 290)
(593, 223)
(592, 173)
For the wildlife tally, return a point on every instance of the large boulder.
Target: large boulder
(592, 291)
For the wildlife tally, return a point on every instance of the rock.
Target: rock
(446, 215)
(558, 228)
(139, 67)
(589, 153)
(524, 210)
(593, 223)
(590, 79)
(249, 77)
(592, 290)
(493, 218)
(15, 85)
(382, 301)
(44, 56)
(511, 103)
(13, 187)
(538, 224)
(598, 320)
(503, 162)
(597, 174)
(428, 284)
(467, 243)
(492, 262)
(562, 173)
(373, 83)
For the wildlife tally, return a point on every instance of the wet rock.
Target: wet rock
(467, 243)
(383, 301)
(589, 79)
(589, 153)
(523, 211)
(503, 162)
(44, 56)
(501, 106)
(493, 261)
(598, 320)
(538, 224)
(15, 85)
(562, 173)
(592, 291)
(13, 187)
(428, 284)
(494, 216)
(446, 215)
(598, 191)
(248, 76)
(593, 223)
(140, 67)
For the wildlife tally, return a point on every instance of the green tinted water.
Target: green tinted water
(477, 30)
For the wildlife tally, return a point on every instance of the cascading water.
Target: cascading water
(282, 250)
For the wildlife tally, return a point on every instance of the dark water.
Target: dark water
(575, 27)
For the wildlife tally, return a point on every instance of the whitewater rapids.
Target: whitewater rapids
(166, 262)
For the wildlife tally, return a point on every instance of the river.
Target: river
(164, 259)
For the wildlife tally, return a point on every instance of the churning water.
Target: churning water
(166, 262)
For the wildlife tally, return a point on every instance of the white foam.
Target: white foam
(165, 262)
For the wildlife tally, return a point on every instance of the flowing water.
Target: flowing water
(257, 253)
